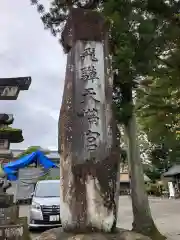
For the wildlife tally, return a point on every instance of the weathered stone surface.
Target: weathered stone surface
(88, 146)
(12, 232)
(129, 235)
(6, 200)
(18, 231)
(24, 222)
(83, 25)
(9, 215)
(57, 234)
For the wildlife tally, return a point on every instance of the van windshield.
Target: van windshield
(48, 189)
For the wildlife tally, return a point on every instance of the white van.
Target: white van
(45, 206)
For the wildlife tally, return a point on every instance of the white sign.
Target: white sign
(54, 218)
(171, 190)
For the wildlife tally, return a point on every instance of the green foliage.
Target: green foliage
(32, 149)
(47, 177)
(154, 189)
(2, 173)
(55, 18)
(158, 98)
(10, 129)
(14, 135)
(153, 173)
(139, 33)
(136, 41)
(159, 112)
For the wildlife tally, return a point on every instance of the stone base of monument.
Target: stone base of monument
(6, 200)
(121, 234)
(11, 226)
(9, 215)
(12, 232)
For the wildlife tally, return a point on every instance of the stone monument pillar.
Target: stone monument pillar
(88, 145)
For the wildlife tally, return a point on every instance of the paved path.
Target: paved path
(166, 214)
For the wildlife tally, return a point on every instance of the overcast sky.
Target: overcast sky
(26, 49)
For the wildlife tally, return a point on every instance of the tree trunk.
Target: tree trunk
(142, 222)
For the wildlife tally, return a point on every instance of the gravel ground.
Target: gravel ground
(166, 214)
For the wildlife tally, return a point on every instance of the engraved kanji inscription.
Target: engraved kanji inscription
(13, 232)
(91, 139)
(92, 115)
(89, 74)
(89, 52)
(90, 93)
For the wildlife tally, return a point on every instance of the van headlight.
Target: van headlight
(36, 206)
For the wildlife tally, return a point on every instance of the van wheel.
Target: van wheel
(31, 229)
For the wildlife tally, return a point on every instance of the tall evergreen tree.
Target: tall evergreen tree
(159, 112)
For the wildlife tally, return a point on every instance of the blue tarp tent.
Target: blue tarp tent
(36, 157)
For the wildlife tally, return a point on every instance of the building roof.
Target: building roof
(174, 170)
(124, 177)
(48, 181)
(52, 153)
